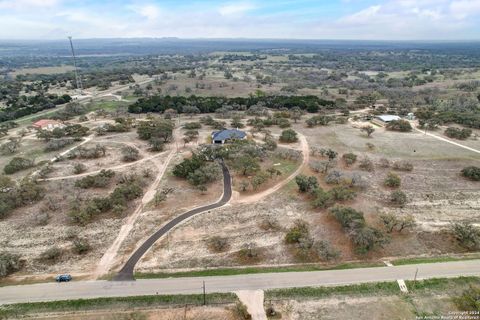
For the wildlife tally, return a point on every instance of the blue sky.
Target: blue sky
(303, 19)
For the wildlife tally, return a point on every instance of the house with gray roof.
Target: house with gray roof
(224, 136)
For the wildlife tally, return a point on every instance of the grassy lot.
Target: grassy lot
(254, 270)
(399, 262)
(115, 303)
(377, 289)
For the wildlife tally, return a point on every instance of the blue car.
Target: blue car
(63, 278)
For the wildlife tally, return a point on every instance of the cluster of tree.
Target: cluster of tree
(467, 235)
(364, 237)
(399, 125)
(288, 136)
(82, 212)
(322, 199)
(258, 123)
(14, 195)
(157, 131)
(463, 110)
(241, 57)
(4, 127)
(75, 131)
(393, 222)
(130, 154)
(100, 180)
(57, 144)
(24, 105)
(307, 247)
(70, 111)
(88, 153)
(121, 124)
(456, 133)
(9, 263)
(321, 120)
(211, 104)
(472, 173)
(18, 164)
(198, 171)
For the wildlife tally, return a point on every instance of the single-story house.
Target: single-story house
(386, 118)
(223, 136)
(48, 124)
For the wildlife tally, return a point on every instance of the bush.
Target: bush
(9, 263)
(366, 238)
(296, 233)
(467, 235)
(188, 166)
(288, 136)
(130, 154)
(306, 184)
(460, 134)
(392, 180)
(469, 300)
(249, 253)
(269, 224)
(349, 158)
(384, 163)
(399, 125)
(192, 126)
(349, 218)
(342, 193)
(398, 198)
(402, 166)
(100, 180)
(321, 199)
(241, 312)
(325, 251)
(218, 244)
(51, 255)
(366, 164)
(208, 173)
(472, 173)
(81, 246)
(18, 164)
(79, 168)
(57, 144)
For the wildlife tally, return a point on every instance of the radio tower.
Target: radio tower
(78, 80)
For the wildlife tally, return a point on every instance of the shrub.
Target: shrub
(384, 163)
(218, 244)
(192, 126)
(208, 173)
(398, 198)
(81, 246)
(259, 179)
(469, 300)
(399, 125)
(18, 164)
(9, 263)
(241, 312)
(288, 136)
(402, 166)
(130, 154)
(51, 255)
(472, 173)
(321, 199)
(188, 166)
(57, 144)
(342, 193)
(392, 180)
(269, 224)
(349, 218)
(299, 230)
(366, 164)
(366, 238)
(306, 184)
(349, 158)
(249, 253)
(100, 180)
(325, 251)
(79, 168)
(467, 235)
(456, 133)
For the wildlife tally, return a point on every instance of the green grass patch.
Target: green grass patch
(253, 270)
(19, 309)
(399, 262)
(373, 289)
(107, 105)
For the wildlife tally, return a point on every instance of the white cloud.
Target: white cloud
(236, 8)
(462, 9)
(27, 4)
(149, 11)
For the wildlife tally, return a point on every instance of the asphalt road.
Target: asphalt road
(95, 289)
(126, 273)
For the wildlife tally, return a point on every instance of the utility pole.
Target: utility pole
(204, 295)
(415, 279)
(78, 80)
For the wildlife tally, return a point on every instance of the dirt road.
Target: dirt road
(253, 300)
(447, 140)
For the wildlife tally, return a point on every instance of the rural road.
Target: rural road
(446, 140)
(126, 273)
(95, 289)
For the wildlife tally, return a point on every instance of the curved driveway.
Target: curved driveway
(126, 273)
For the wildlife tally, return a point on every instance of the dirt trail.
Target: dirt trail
(253, 300)
(107, 260)
(256, 197)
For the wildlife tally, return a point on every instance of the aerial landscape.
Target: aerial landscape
(220, 163)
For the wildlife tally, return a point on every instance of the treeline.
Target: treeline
(26, 105)
(211, 104)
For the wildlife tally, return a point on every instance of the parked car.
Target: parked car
(63, 278)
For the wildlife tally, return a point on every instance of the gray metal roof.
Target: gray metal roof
(228, 134)
(388, 117)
